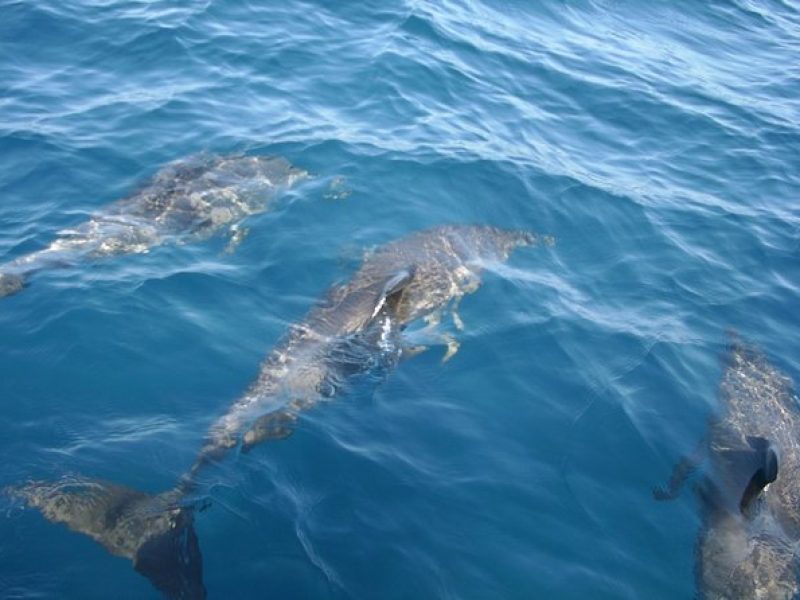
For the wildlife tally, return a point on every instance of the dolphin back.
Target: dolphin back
(746, 547)
(157, 536)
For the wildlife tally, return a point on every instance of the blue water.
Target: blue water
(660, 145)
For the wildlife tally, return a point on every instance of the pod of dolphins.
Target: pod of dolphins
(749, 492)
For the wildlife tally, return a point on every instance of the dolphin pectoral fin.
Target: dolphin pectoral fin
(681, 472)
(453, 346)
(412, 351)
(433, 319)
(274, 426)
(427, 339)
(457, 322)
(152, 531)
(237, 234)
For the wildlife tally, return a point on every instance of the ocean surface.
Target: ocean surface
(659, 144)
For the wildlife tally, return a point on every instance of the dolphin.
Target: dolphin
(404, 280)
(355, 328)
(186, 200)
(750, 492)
(155, 532)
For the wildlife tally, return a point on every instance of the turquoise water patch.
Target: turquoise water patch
(660, 145)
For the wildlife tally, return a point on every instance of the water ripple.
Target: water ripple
(658, 143)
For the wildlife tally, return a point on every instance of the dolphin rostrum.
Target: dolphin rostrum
(352, 330)
(186, 200)
(750, 494)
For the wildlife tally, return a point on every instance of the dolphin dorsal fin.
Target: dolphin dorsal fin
(392, 287)
(746, 471)
(765, 461)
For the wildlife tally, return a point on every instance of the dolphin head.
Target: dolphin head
(277, 170)
(487, 242)
(10, 284)
(229, 183)
(446, 262)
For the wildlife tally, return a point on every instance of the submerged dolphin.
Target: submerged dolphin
(186, 200)
(750, 496)
(355, 327)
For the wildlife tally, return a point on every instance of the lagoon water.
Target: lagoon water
(660, 145)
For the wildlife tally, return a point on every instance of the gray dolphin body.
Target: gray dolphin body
(355, 327)
(400, 282)
(750, 495)
(186, 200)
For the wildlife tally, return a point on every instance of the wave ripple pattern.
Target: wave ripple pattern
(658, 142)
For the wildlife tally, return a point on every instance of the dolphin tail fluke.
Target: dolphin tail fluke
(172, 561)
(10, 284)
(154, 532)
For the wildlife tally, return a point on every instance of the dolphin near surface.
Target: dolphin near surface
(186, 200)
(355, 328)
(750, 493)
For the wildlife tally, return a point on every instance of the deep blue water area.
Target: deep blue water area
(658, 142)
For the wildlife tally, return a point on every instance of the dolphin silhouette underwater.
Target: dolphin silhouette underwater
(186, 200)
(355, 326)
(750, 492)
